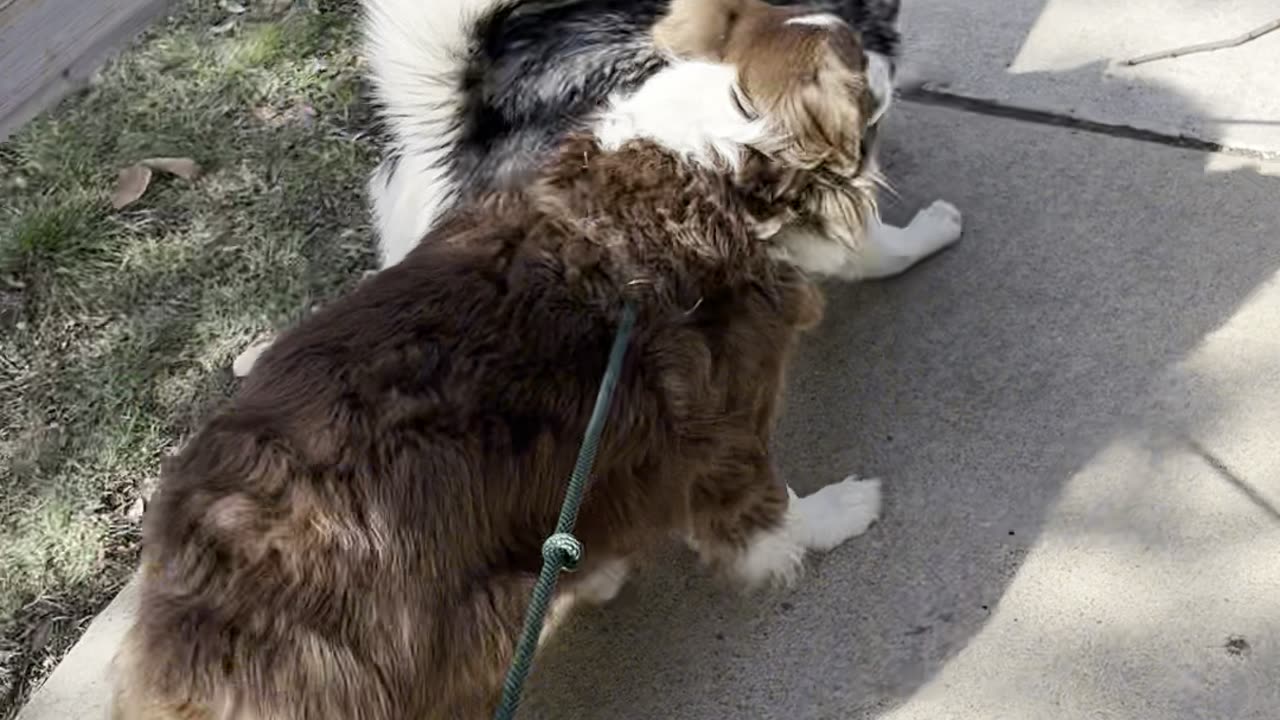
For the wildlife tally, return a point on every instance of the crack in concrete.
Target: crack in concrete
(925, 95)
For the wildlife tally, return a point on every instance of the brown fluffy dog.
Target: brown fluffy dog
(357, 533)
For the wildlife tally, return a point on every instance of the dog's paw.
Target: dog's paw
(245, 361)
(941, 222)
(839, 512)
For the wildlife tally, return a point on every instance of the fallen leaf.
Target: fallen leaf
(224, 28)
(300, 114)
(130, 185)
(136, 510)
(185, 168)
(134, 180)
(233, 7)
(39, 637)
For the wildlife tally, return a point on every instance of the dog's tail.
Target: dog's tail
(418, 52)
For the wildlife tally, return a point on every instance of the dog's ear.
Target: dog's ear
(698, 29)
(827, 107)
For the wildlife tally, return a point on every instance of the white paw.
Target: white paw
(837, 512)
(245, 361)
(772, 558)
(939, 225)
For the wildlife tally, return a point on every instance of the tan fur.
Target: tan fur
(807, 80)
(356, 534)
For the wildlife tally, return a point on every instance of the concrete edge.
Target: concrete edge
(74, 71)
(80, 686)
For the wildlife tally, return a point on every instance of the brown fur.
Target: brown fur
(355, 536)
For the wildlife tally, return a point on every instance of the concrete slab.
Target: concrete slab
(1064, 56)
(1075, 413)
(80, 687)
(50, 47)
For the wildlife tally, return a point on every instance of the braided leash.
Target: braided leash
(562, 551)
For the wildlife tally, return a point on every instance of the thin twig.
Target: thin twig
(1207, 47)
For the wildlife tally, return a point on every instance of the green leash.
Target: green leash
(562, 551)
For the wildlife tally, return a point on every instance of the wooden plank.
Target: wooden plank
(51, 47)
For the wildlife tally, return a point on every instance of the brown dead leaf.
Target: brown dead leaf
(134, 180)
(130, 185)
(185, 168)
(224, 28)
(299, 114)
(264, 114)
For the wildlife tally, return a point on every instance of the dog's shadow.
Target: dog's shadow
(976, 386)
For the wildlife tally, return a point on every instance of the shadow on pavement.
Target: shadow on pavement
(977, 385)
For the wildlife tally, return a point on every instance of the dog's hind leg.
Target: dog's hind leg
(892, 250)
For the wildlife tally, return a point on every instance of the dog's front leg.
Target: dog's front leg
(876, 250)
(891, 250)
(760, 531)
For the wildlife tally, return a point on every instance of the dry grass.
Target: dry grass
(117, 328)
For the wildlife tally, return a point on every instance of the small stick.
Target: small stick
(1209, 46)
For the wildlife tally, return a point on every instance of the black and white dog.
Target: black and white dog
(477, 93)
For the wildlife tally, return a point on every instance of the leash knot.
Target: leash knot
(562, 549)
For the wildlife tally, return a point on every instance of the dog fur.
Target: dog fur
(476, 95)
(356, 535)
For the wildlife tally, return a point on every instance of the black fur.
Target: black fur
(539, 68)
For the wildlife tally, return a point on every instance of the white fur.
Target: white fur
(247, 358)
(816, 20)
(415, 50)
(604, 583)
(405, 203)
(687, 108)
(885, 250)
(880, 82)
(818, 522)
(892, 250)
(600, 587)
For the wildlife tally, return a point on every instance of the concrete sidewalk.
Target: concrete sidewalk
(1066, 57)
(1077, 415)
(1076, 412)
(49, 48)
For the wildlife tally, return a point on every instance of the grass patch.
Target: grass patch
(117, 328)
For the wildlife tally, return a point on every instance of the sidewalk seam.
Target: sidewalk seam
(926, 95)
